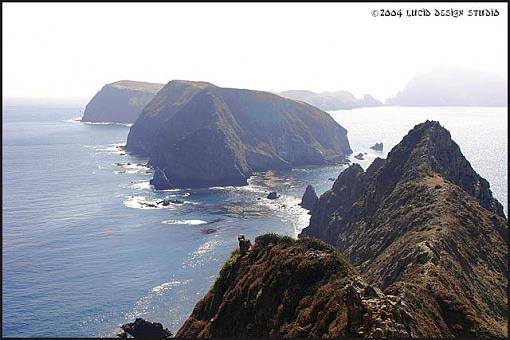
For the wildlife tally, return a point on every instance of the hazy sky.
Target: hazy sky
(72, 50)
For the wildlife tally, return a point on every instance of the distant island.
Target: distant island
(197, 134)
(451, 86)
(339, 100)
(425, 246)
(120, 102)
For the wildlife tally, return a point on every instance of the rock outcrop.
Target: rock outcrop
(377, 147)
(159, 180)
(294, 288)
(338, 100)
(309, 198)
(144, 329)
(451, 86)
(120, 102)
(424, 226)
(201, 135)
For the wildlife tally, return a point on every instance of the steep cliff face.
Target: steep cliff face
(424, 226)
(295, 288)
(120, 102)
(338, 100)
(202, 135)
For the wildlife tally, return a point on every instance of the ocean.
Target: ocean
(84, 250)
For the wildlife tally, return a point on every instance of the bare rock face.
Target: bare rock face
(202, 135)
(309, 198)
(423, 225)
(294, 288)
(159, 180)
(120, 102)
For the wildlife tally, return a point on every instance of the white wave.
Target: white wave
(110, 148)
(143, 185)
(73, 120)
(187, 222)
(107, 123)
(140, 202)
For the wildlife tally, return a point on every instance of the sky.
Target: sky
(71, 50)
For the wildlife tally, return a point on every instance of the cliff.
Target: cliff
(201, 135)
(294, 288)
(120, 102)
(338, 100)
(450, 86)
(424, 226)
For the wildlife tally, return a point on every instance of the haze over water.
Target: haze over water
(84, 252)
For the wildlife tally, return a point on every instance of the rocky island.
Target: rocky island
(197, 134)
(120, 102)
(338, 100)
(453, 86)
(425, 247)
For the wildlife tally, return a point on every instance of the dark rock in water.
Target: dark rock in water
(332, 179)
(120, 102)
(209, 231)
(145, 329)
(160, 181)
(203, 135)
(421, 224)
(309, 198)
(377, 147)
(167, 201)
(359, 156)
(272, 195)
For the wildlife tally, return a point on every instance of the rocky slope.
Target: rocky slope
(294, 288)
(202, 135)
(424, 226)
(120, 102)
(451, 86)
(338, 100)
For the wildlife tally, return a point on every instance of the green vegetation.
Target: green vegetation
(220, 283)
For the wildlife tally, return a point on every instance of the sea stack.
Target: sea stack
(377, 147)
(120, 102)
(201, 135)
(309, 198)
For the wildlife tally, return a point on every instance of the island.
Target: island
(338, 100)
(453, 86)
(196, 134)
(120, 102)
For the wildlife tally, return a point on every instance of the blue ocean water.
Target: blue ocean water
(83, 250)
